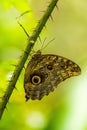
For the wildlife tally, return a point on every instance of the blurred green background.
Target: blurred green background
(66, 107)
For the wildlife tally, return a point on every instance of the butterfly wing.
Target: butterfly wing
(45, 72)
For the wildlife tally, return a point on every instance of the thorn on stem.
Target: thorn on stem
(24, 13)
(40, 39)
(9, 80)
(15, 88)
(24, 67)
(45, 27)
(26, 52)
(51, 18)
(57, 7)
(23, 29)
(14, 65)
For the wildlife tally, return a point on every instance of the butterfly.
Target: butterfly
(44, 72)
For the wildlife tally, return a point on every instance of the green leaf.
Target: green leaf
(21, 5)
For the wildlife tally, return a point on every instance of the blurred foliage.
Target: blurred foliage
(66, 108)
(20, 5)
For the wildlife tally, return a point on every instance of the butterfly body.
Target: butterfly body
(45, 72)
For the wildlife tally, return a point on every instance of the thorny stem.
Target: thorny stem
(30, 44)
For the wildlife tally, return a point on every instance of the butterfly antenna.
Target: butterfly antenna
(43, 43)
(48, 43)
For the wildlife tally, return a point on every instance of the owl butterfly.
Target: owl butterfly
(44, 72)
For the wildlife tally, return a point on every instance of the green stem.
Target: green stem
(30, 44)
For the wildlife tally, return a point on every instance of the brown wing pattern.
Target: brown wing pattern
(45, 72)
